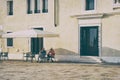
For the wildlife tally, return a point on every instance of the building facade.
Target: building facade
(85, 27)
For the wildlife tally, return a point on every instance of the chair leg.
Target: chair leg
(26, 58)
(7, 58)
(31, 59)
(38, 59)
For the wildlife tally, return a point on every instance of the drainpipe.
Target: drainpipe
(56, 13)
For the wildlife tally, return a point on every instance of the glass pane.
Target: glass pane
(89, 4)
(45, 6)
(29, 11)
(9, 42)
(93, 37)
(10, 7)
(37, 6)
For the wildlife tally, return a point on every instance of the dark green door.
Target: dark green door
(89, 41)
(36, 44)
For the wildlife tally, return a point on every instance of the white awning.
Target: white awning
(29, 33)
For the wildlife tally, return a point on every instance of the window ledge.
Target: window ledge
(9, 46)
(88, 16)
(116, 6)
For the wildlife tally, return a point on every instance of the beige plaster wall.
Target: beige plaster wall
(110, 35)
(20, 20)
(67, 28)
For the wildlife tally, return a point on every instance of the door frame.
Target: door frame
(39, 28)
(99, 37)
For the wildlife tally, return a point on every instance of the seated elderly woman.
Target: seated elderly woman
(51, 55)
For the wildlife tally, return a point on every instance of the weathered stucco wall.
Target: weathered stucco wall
(110, 35)
(67, 27)
(20, 20)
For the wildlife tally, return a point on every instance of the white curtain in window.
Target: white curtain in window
(116, 1)
(46, 4)
(38, 4)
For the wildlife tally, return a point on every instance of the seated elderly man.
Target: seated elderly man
(42, 55)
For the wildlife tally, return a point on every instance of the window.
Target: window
(9, 41)
(45, 6)
(10, 7)
(37, 6)
(29, 11)
(116, 3)
(90, 5)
